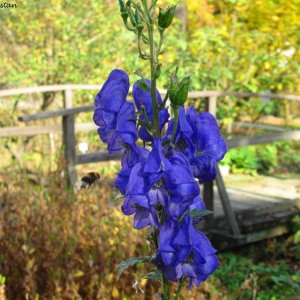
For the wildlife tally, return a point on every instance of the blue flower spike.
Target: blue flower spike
(159, 185)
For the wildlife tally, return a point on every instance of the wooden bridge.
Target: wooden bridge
(238, 218)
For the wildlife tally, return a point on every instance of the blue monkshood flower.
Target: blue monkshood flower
(203, 261)
(114, 92)
(174, 242)
(138, 202)
(165, 180)
(131, 156)
(208, 142)
(197, 204)
(179, 180)
(176, 210)
(141, 194)
(170, 173)
(125, 132)
(113, 114)
(156, 164)
(142, 97)
(185, 251)
(183, 137)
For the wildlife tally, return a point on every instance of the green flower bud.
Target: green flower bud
(139, 21)
(122, 6)
(178, 91)
(124, 13)
(131, 15)
(165, 17)
(173, 85)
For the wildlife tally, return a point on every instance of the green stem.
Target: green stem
(180, 285)
(161, 40)
(163, 105)
(145, 116)
(143, 55)
(175, 111)
(128, 27)
(153, 64)
(165, 288)
(137, 6)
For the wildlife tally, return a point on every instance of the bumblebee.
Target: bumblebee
(89, 179)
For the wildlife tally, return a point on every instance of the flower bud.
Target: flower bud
(124, 13)
(131, 15)
(122, 5)
(165, 17)
(178, 91)
(139, 22)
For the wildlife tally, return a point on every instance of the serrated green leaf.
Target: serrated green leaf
(199, 213)
(130, 262)
(143, 85)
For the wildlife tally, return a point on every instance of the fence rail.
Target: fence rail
(192, 95)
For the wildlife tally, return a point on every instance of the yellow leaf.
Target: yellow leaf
(115, 293)
(78, 274)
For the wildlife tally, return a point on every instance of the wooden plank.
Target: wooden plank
(202, 94)
(29, 130)
(255, 224)
(56, 113)
(48, 88)
(258, 126)
(36, 130)
(267, 233)
(221, 239)
(255, 140)
(274, 208)
(96, 157)
(80, 127)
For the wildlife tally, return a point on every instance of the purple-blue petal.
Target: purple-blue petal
(114, 91)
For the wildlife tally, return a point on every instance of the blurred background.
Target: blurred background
(59, 244)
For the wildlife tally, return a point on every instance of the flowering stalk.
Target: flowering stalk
(159, 186)
(175, 112)
(153, 65)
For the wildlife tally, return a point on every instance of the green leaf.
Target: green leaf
(130, 262)
(199, 213)
(153, 275)
(143, 85)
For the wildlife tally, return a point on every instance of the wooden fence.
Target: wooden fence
(69, 127)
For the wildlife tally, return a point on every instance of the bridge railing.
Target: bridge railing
(69, 127)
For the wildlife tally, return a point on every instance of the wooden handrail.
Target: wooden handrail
(192, 94)
(56, 113)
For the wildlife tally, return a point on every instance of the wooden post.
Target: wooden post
(208, 198)
(227, 205)
(208, 187)
(69, 143)
(68, 98)
(211, 105)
